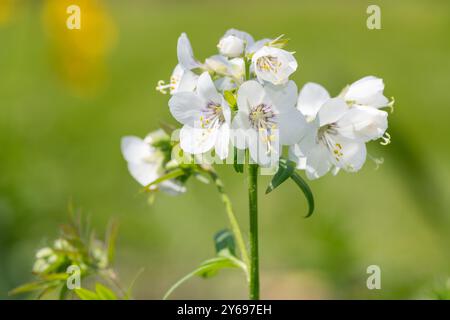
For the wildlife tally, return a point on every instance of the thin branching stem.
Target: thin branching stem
(231, 217)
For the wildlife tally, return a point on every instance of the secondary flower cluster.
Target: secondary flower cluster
(243, 98)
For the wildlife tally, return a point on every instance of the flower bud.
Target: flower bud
(231, 46)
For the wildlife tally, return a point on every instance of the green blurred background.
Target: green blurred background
(66, 99)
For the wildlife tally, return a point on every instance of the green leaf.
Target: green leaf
(63, 292)
(231, 99)
(211, 267)
(85, 294)
(170, 175)
(29, 287)
(208, 269)
(238, 167)
(224, 241)
(306, 191)
(104, 293)
(279, 42)
(285, 170)
(54, 276)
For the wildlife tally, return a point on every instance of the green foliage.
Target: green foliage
(238, 167)
(231, 99)
(225, 258)
(101, 293)
(76, 246)
(224, 241)
(168, 176)
(286, 170)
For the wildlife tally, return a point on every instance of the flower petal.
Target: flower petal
(352, 154)
(134, 149)
(197, 140)
(218, 64)
(258, 45)
(284, 97)
(187, 82)
(311, 156)
(207, 90)
(273, 65)
(223, 141)
(332, 111)
(241, 35)
(225, 84)
(185, 53)
(143, 172)
(291, 126)
(240, 126)
(311, 98)
(263, 151)
(186, 107)
(250, 94)
(363, 123)
(367, 91)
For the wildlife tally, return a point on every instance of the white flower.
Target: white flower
(145, 162)
(367, 91)
(258, 45)
(336, 133)
(251, 46)
(45, 257)
(231, 46)
(231, 72)
(273, 65)
(233, 39)
(182, 78)
(234, 68)
(185, 53)
(206, 117)
(267, 119)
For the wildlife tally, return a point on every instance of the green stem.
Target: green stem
(252, 170)
(231, 217)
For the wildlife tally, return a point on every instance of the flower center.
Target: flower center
(212, 116)
(268, 63)
(262, 117)
(325, 136)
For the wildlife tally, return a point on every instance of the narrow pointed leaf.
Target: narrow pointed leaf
(170, 175)
(104, 293)
(208, 269)
(28, 287)
(85, 294)
(306, 191)
(224, 241)
(285, 170)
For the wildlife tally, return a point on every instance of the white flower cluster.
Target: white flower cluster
(148, 160)
(242, 98)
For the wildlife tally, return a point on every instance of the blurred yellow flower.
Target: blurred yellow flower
(6, 11)
(80, 54)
